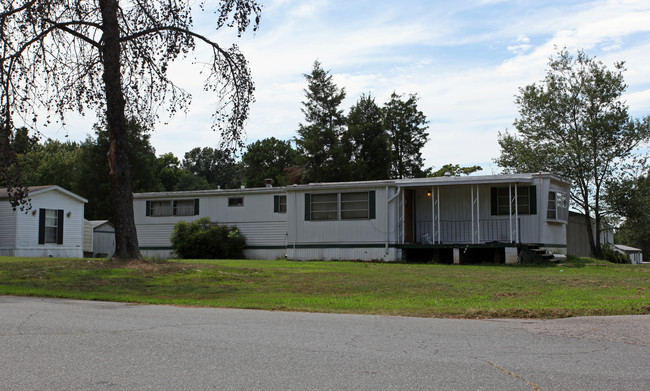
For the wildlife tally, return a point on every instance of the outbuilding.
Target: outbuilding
(99, 238)
(635, 255)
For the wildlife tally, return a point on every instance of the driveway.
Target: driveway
(53, 344)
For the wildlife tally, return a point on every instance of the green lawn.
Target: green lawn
(578, 287)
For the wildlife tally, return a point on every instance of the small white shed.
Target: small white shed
(99, 238)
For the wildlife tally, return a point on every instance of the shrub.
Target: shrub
(203, 239)
(612, 255)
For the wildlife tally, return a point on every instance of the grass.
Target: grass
(580, 286)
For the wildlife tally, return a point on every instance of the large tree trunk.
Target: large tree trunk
(590, 233)
(126, 238)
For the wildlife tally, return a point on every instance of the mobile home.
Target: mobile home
(448, 217)
(53, 227)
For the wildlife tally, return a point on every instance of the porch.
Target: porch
(467, 214)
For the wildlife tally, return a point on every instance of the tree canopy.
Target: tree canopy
(113, 57)
(268, 158)
(454, 170)
(574, 123)
(217, 167)
(406, 127)
(367, 141)
(629, 199)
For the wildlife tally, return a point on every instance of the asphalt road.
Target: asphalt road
(51, 344)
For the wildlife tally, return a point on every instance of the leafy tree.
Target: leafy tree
(406, 127)
(319, 139)
(367, 140)
(11, 177)
(114, 57)
(268, 158)
(169, 171)
(51, 163)
(629, 198)
(190, 181)
(575, 124)
(454, 169)
(217, 167)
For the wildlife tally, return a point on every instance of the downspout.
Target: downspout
(540, 218)
(478, 215)
(295, 222)
(517, 213)
(388, 201)
(510, 210)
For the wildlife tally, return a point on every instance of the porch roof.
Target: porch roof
(477, 180)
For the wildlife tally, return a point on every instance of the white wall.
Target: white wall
(104, 240)
(256, 220)
(27, 227)
(7, 228)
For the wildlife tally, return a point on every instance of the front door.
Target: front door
(409, 203)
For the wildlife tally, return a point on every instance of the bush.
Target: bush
(612, 255)
(203, 239)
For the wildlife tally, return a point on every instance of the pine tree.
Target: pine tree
(320, 139)
(406, 127)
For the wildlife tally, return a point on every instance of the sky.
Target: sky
(465, 60)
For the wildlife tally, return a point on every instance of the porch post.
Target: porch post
(433, 215)
(387, 221)
(402, 219)
(478, 215)
(438, 202)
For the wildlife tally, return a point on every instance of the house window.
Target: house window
(163, 208)
(280, 204)
(50, 226)
(558, 206)
(526, 200)
(340, 206)
(354, 206)
(236, 201)
(324, 206)
(184, 208)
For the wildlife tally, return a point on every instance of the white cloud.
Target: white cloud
(465, 61)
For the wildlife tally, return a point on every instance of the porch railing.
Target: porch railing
(460, 231)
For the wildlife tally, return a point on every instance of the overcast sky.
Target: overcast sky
(464, 59)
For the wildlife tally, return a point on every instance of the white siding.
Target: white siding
(256, 220)
(356, 253)
(104, 240)
(7, 228)
(88, 237)
(366, 231)
(73, 223)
